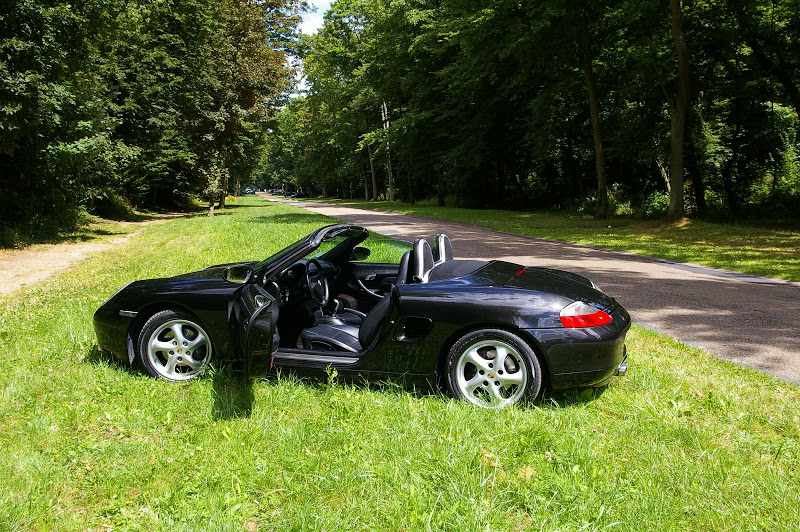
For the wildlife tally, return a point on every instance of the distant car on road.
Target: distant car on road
(300, 195)
(248, 191)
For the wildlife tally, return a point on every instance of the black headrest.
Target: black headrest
(442, 249)
(423, 260)
(402, 273)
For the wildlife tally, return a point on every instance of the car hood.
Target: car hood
(215, 272)
(211, 278)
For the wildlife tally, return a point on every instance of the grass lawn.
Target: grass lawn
(745, 248)
(684, 441)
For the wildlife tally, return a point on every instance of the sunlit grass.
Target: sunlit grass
(684, 441)
(744, 248)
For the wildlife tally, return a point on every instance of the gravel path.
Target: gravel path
(751, 320)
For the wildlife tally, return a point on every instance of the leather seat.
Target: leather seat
(342, 308)
(333, 334)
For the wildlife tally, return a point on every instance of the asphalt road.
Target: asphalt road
(751, 320)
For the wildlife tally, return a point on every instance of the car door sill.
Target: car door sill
(297, 355)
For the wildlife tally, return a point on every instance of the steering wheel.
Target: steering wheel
(317, 283)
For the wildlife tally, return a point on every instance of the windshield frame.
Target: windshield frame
(290, 254)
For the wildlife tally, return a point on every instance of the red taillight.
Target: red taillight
(579, 314)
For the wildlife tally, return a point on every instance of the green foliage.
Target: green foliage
(149, 101)
(55, 144)
(655, 205)
(488, 103)
(482, 101)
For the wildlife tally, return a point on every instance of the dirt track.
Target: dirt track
(26, 267)
(751, 320)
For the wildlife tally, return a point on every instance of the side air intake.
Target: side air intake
(414, 329)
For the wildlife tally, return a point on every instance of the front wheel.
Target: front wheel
(173, 346)
(493, 368)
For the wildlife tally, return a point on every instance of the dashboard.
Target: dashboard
(292, 284)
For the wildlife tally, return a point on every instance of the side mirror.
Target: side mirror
(238, 274)
(360, 253)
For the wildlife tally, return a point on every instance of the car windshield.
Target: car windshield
(328, 245)
(330, 240)
(285, 251)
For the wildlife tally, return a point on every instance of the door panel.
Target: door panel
(375, 277)
(256, 312)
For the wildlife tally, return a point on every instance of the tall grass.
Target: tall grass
(684, 441)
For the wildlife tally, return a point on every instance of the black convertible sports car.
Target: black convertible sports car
(493, 333)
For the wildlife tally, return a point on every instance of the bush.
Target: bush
(655, 205)
(113, 207)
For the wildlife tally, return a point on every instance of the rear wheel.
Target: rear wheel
(173, 346)
(493, 368)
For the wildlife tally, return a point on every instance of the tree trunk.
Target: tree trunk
(223, 190)
(698, 183)
(520, 188)
(440, 189)
(211, 206)
(693, 165)
(224, 169)
(594, 108)
(730, 165)
(385, 117)
(499, 155)
(678, 113)
(366, 186)
(408, 178)
(238, 187)
(664, 175)
(372, 171)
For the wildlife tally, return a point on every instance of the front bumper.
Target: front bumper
(112, 331)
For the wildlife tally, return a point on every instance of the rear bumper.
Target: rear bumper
(584, 356)
(594, 378)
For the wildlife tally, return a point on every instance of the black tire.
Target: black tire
(173, 346)
(472, 375)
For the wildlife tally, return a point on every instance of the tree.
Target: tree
(487, 102)
(55, 147)
(679, 108)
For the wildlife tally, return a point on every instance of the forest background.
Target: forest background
(655, 108)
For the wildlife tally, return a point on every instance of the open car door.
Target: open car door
(254, 316)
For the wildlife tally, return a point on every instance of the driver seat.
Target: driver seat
(338, 335)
